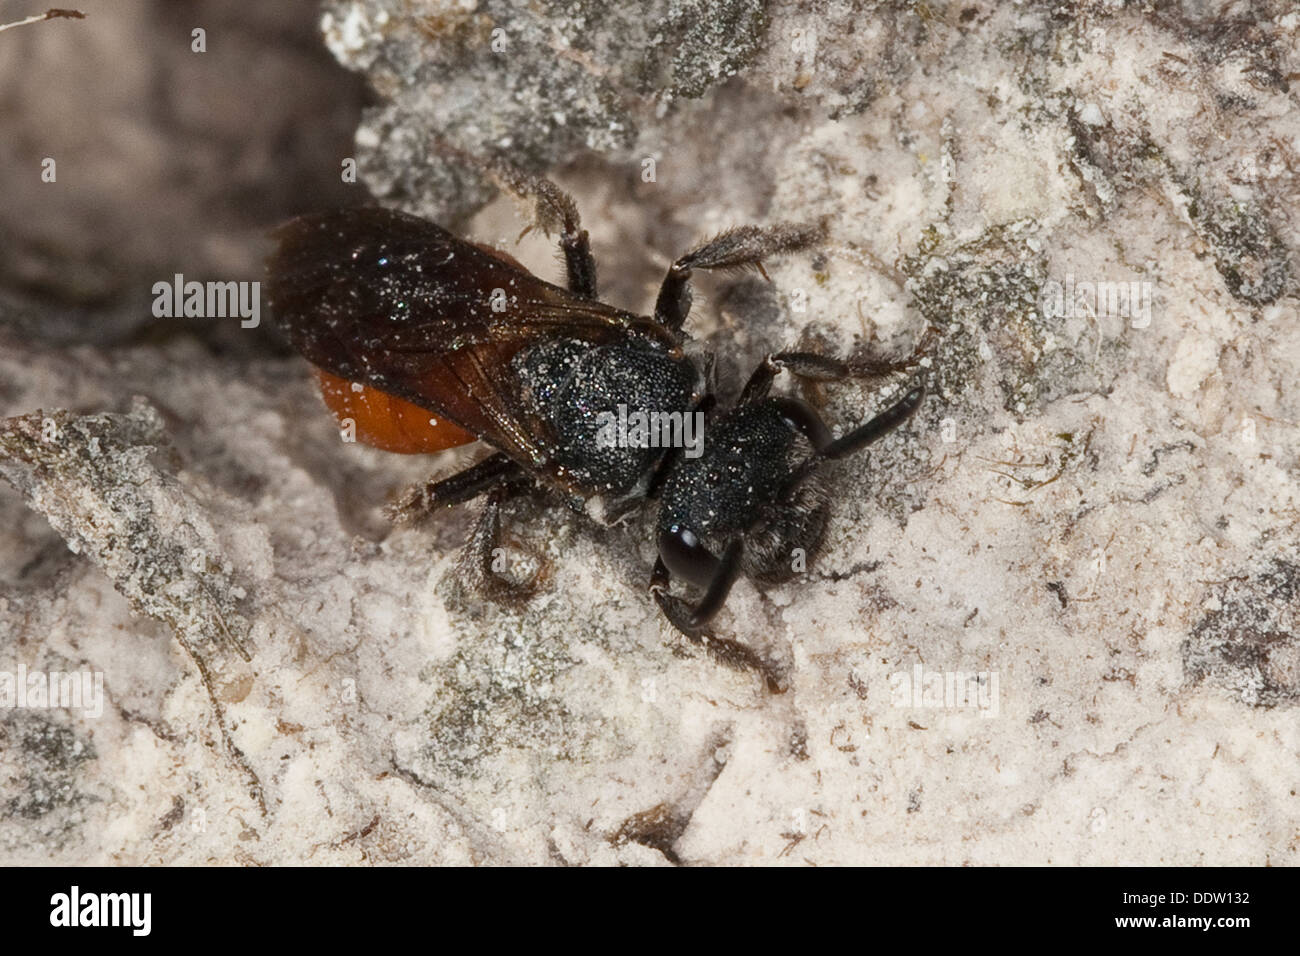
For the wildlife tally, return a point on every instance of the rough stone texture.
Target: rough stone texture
(1097, 509)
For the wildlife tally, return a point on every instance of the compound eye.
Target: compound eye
(685, 556)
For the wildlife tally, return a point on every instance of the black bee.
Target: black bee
(426, 341)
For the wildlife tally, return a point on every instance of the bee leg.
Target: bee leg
(818, 368)
(693, 621)
(482, 563)
(810, 423)
(555, 211)
(421, 500)
(733, 249)
(882, 424)
(579, 263)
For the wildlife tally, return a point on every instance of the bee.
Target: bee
(426, 341)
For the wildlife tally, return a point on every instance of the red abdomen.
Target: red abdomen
(387, 422)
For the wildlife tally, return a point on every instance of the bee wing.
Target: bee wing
(397, 303)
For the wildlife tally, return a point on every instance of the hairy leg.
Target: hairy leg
(419, 501)
(554, 211)
(745, 246)
(822, 368)
(481, 562)
(692, 621)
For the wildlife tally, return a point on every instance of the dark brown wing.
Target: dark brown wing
(400, 304)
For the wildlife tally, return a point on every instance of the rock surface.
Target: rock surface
(1092, 524)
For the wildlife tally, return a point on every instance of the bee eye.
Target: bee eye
(685, 556)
